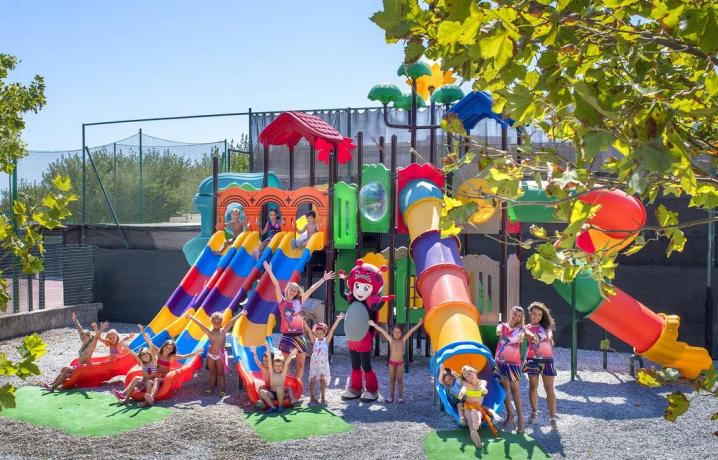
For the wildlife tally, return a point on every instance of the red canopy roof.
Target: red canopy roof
(289, 127)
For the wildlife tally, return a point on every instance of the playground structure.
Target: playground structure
(459, 294)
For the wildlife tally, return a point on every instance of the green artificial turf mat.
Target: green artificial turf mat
(456, 444)
(297, 423)
(81, 413)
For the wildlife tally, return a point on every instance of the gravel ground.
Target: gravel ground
(603, 414)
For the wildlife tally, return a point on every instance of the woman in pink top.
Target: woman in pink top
(508, 363)
(291, 321)
(539, 359)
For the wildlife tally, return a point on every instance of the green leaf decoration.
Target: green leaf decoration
(414, 71)
(385, 93)
(447, 94)
(404, 103)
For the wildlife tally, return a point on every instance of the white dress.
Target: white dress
(319, 362)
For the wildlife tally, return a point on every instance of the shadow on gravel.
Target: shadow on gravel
(607, 401)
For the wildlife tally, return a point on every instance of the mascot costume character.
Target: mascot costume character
(362, 290)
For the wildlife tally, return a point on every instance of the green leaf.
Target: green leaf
(499, 47)
(709, 379)
(7, 367)
(413, 51)
(63, 184)
(7, 396)
(451, 123)
(393, 19)
(32, 347)
(646, 378)
(605, 345)
(665, 217)
(656, 157)
(678, 404)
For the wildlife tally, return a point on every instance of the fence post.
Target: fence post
(15, 274)
(84, 190)
(228, 165)
(249, 140)
(114, 170)
(142, 187)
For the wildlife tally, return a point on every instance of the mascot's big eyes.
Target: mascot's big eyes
(362, 291)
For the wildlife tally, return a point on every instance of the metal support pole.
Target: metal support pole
(114, 170)
(360, 162)
(413, 122)
(381, 149)
(432, 134)
(349, 134)
(503, 280)
(710, 263)
(249, 139)
(407, 301)
(312, 166)
(215, 187)
(15, 265)
(142, 185)
(291, 168)
(265, 178)
(84, 189)
(228, 165)
(41, 291)
(29, 292)
(330, 262)
(392, 228)
(574, 333)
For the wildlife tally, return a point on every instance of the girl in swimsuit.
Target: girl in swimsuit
(508, 363)
(319, 363)
(290, 307)
(149, 369)
(216, 360)
(396, 355)
(163, 356)
(539, 360)
(117, 347)
(89, 343)
(277, 375)
(473, 393)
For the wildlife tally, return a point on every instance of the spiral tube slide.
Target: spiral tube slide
(451, 320)
(184, 295)
(255, 329)
(653, 335)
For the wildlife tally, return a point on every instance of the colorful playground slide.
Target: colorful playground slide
(255, 329)
(451, 320)
(180, 301)
(653, 335)
(227, 288)
(184, 296)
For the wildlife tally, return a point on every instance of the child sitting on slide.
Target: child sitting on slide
(452, 385)
(277, 375)
(117, 347)
(271, 228)
(472, 394)
(310, 229)
(216, 360)
(319, 362)
(149, 369)
(396, 355)
(89, 343)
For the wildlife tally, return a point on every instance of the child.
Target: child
(263, 365)
(473, 393)
(163, 356)
(309, 230)
(290, 307)
(453, 388)
(236, 227)
(319, 363)
(89, 343)
(215, 355)
(396, 355)
(539, 360)
(116, 346)
(149, 368)
(271, 228)
(508, 363)
(277, 375)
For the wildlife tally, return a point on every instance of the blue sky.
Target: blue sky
(125, 59)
